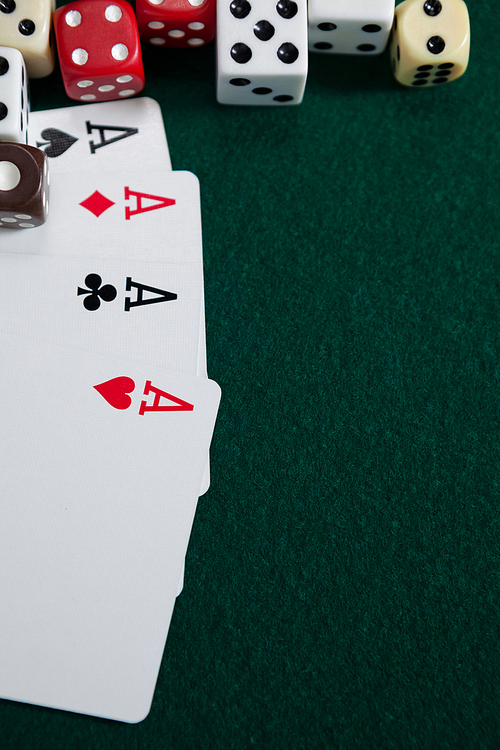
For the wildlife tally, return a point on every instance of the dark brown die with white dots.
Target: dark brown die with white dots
(430, 42)
(26, 25)
(261, 51)
(24, 186)
(344, 27)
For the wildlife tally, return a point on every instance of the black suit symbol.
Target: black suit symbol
(57, 142)
(95, 292)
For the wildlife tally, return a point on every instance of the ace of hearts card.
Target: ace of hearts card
(100, 466)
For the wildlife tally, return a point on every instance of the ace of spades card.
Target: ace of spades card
(98, 135)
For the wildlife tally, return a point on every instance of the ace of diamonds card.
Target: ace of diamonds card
(140, 210)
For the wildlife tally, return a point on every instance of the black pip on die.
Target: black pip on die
(261, 51)
(430, 42)
(24, 186)
(13, 96)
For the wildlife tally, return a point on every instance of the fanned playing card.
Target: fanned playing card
(148, 312)
(99, 135)
(134, 211)
(100, 466)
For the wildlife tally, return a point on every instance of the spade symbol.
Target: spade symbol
(57, 142)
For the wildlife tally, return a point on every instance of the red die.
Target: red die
(176, 23)
(99, 50)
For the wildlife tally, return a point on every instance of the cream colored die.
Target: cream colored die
(26, 25)
(430, 42)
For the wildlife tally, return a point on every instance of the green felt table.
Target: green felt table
(342, 579)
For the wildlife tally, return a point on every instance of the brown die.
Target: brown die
(24, 186)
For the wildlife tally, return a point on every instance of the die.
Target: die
(350, 28)
(176, 23)
(99, 50)
(24, 186)
(26, 26)
(430, 42)
(14, 100)
(262, 54)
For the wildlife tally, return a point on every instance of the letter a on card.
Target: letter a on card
(180, 404)
(160, 202)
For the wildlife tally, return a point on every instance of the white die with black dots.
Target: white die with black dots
(344, 27)
(14, 102)
(261, 52)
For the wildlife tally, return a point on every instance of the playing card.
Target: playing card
(99, 135)
(148, 312)
(142, 211)
(99, 473)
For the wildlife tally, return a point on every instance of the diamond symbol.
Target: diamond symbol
(97, 203)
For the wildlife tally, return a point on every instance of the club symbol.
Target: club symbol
(95, 292)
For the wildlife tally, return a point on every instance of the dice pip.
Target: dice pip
(176, 23)
(24, 186)
(26, 26)
(99, 50)
(430, 42)
(13, 96)
(261, 51)
(347, 28)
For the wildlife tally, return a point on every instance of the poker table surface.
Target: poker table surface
(342, 578)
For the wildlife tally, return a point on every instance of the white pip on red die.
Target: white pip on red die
(26, 25)
(350, 28)
(262, 56)
(176, 23)
(99, 50)
(14, 100)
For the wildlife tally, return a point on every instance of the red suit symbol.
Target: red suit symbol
(116, 391)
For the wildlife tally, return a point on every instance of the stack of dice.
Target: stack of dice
(261, 48)
(24, 174)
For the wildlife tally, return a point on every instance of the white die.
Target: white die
(262, 55)
(350, 28)
(13, 96)
(26, 25)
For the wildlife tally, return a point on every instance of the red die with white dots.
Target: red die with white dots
(176, 23)
(99, 50)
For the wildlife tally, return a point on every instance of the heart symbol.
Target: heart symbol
(115, 391)
(59, 141)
